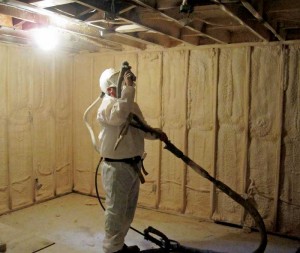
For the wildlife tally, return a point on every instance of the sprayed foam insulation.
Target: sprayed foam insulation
(223, 107)
(264, 120)
(233, 86)
(201, 129)
(150, 104)
(289, 197)
(63, 123)
(172, 176)
(233, 110)
(4, 177)
(82, 94)
(36, 117)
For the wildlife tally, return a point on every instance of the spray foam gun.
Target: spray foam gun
(125, 67)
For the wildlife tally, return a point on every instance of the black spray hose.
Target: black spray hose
(170, 245)
(137, 123)
(96, 184)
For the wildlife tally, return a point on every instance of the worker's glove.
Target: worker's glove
(161, 135)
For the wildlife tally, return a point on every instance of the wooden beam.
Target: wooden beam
(85, 12)
(5, 20)
(169, 17)
(129, 40)
(282, 6)
(68, 10)
(132, 15)
(170, 4)
(251, 9)
(96, 17)
(50, 3)
(147, 3)
(136, 15)
(105, 5)
(24, 15)
(33, 14)
(159, 39)
(12, 39)
(242, 17)
(6, 31)
(260, 19)
(171, 26)
(221, 36)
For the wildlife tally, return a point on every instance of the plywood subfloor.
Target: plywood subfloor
(74, 223)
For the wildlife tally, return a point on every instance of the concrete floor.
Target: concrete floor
(74, 224)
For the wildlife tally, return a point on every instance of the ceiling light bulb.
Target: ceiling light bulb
(45, 38)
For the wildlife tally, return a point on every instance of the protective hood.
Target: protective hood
(109, 78)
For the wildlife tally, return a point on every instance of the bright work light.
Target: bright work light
(45, 38)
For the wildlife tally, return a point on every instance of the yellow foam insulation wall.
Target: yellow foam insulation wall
(288, 221)
(265, 128)
(63, 85)
(150, 64)
(201, 118)
(233, 110)
(36, 125)
(4, 177)
(232, 134)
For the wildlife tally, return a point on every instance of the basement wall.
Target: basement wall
(233, 110)
(36, 126)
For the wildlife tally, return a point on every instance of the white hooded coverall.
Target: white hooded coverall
(120, 181)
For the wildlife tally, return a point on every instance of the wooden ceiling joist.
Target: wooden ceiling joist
(50, 3)
(239, 14)
(19, 13)
(44, 17)
(162, 23)
(259, 17)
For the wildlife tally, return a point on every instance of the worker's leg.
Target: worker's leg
(118, 180)
(132, 203)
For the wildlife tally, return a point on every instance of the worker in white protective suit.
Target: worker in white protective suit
(121, 168)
